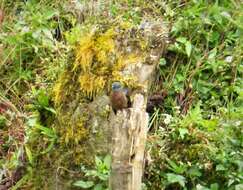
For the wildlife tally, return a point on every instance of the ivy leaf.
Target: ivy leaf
(214, 186)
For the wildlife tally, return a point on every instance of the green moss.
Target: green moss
(100, 57)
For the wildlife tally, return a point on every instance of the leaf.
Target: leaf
(103, 177)
(29, 154)
(220, 167)
(230, 182)
(50, 110)
(182, 40)
(162, 62)
(200, 187)
(98, 187)
(107, 161)
(93, 173)
(174, 178)
(32, 120)
(98, 161)
(194, 172)
(214, 186)
(183, 132)
(239, 187)
(212, 54)
(176, 168)
(188, 48)
(84, 184)
(43, 99)
(46, 131)
(3, 120)
(50, 13)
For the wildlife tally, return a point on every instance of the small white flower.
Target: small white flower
(25, 29)
(238, 123)
(225, 14)
(167, 119)
(177, 109)
(229, 59)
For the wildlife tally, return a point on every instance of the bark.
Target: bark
(129, 127)
(128, 145)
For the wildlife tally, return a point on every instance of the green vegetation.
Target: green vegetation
(47, 51)
(196, 141)
(99, 176)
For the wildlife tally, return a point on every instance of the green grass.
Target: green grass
(195, 140)
(201, 148)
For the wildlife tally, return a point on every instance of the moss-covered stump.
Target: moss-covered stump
(108, 52)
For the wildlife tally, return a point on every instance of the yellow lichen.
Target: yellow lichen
(104, 45)
(85, 53)
(126, 25)
(98, 62)
(72, 132)
(91, 84)
(93, 57)
(57, 90)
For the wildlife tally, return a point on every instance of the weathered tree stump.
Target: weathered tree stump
(128, 145)
(129, 126)
(121, 51)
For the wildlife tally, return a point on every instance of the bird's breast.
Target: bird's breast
(118, 100)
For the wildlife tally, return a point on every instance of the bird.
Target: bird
(119, 97)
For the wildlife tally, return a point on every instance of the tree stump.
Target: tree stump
(128, 146)
(129, 126)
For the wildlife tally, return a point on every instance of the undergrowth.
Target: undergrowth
(195, 139)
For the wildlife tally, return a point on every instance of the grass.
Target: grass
(202, 74)
(195, 139)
